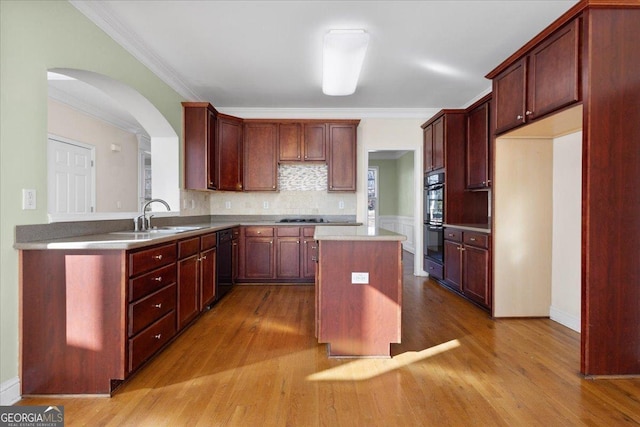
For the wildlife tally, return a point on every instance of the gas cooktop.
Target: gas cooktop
(314, 220)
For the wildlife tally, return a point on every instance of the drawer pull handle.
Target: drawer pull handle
(158, 279)
(159, 305)
(158, 336)
(450, 235)
(158, 257)
(473, 239)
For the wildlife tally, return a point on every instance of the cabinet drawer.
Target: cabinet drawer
(288, 231)
(434, 269)
(151, 282)
(453, 234)
(188, 247)
(208, 241)
(259, 231)
(151, 308)
(476, 239)
(146, 343)
(308, 231)
(149, 259)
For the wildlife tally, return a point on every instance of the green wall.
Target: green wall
(36, 36)
(395, 185)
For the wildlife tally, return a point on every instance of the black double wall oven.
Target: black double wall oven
(434, 218)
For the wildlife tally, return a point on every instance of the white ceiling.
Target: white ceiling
(423, 55)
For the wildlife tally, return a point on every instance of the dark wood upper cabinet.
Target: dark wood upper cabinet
(229, 153)
(342, 156)
(438, 144)
(314, 142)
(302, 142)
(200, 163)
(433, 140)
(260, 156)
(290, 142)
(427, 136)
(478, 145)
(543, 81)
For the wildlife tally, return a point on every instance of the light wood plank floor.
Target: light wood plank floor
(253, 361)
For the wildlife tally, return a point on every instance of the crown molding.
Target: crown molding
(329, 113)
(95, 112)
(100, 14)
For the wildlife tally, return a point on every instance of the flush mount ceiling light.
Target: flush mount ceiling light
(342, 60)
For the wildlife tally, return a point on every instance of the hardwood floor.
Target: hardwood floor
(253, 360)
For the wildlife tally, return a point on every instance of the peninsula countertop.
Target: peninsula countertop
(357, 232)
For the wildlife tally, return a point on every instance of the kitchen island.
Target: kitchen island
(358, 290)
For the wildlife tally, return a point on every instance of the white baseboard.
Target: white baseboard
(569, 320)
(10, 392)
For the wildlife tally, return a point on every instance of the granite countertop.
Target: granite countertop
(481, 228)
(129, 239)
(122, 239)
(358, 232)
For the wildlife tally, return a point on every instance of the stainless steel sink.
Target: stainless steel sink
(147, 234)
(178, 228)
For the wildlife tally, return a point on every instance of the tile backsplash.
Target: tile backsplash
(302, 177)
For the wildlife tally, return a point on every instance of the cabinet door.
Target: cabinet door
(477, 151)
(235, 260)
(509, 94)
(288, 258)
(554, 72)
(427, 135)
(453, 265)
(342, 157)
(199, 146)
(229, 153)
(309, 257)
(207, 277)
(314, 142)
(438, 144)
(188, 290)
(260, 157)
(290, 142)
(258, 262)
(476, 275)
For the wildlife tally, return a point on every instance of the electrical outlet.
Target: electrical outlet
(359, 278)
(28, 199)
(265, 205)
(193, 204)
(341, 204)
(227, 205)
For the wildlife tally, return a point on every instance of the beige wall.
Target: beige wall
(522, 233)
(116, 171)
(567, 202)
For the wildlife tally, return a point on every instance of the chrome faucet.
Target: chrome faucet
(142, 223)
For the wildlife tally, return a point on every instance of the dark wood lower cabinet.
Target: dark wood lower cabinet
(277, 254)
(467, 268)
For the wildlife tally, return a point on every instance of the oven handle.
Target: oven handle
(434, 187)
(435, 227)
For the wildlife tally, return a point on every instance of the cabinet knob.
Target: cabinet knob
(158, 257)
(519, 117)
(259, 232)
(158, 305)
(158, 336)
(528, 113)
(158, 279)
(274, 187)
(298, 242)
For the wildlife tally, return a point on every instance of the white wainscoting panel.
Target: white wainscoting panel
(401, 225)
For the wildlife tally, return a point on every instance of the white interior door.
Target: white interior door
(71, 176)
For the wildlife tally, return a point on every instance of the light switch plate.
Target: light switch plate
(359, 278)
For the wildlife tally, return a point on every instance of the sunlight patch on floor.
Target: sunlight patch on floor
(364, 369)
